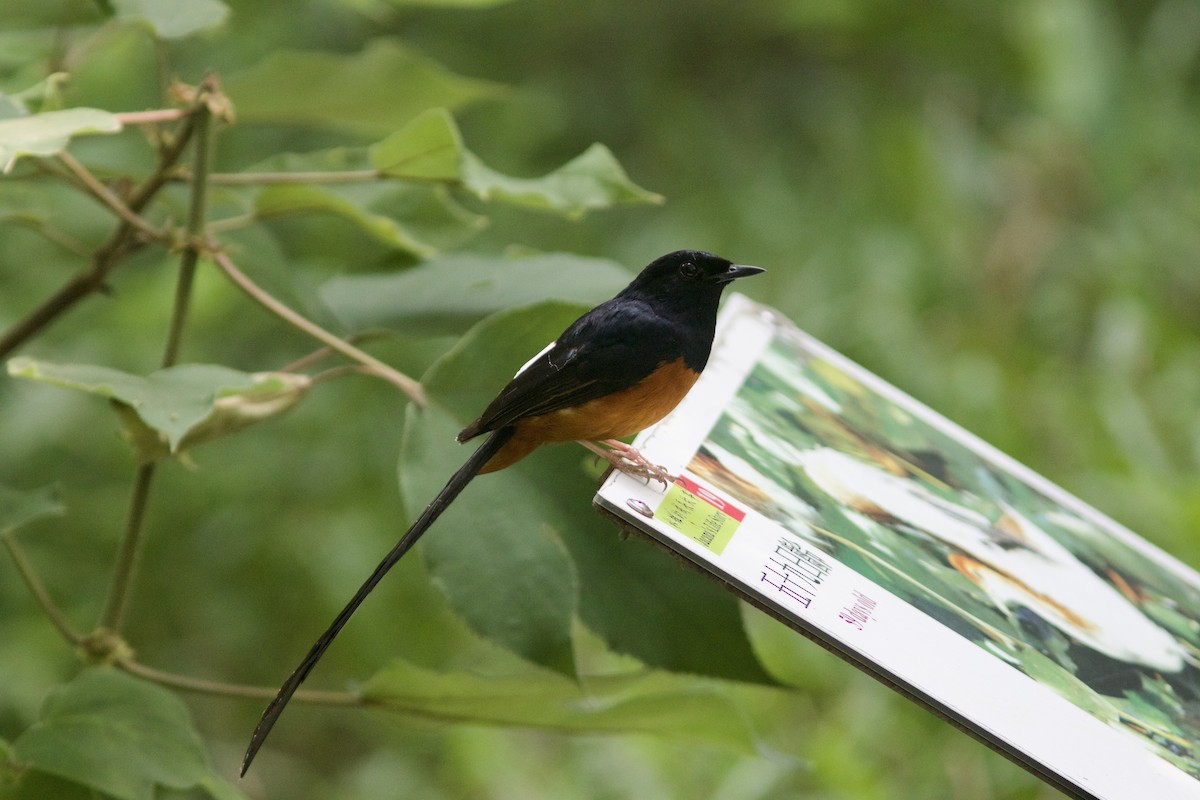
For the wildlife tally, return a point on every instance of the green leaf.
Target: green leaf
(333, 159)
(428, 148)
(48, 133)
(32, 784)
(642, 603)
(448, 3)
(179, 407)
(19, 507)
(451, 293)
(589, 181)
(506, 574)
(636, 598)
(416, 220)
(420, 220)
(173, 19)
(643, 702)
(431, 148)
(120, 736)
(371, 93)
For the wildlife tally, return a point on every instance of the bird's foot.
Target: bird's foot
(626, 458)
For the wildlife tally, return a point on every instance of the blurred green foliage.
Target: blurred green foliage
(992, 205)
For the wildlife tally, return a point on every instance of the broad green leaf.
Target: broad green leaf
(179, 407)
(592, 180)
(644, 702)
(371, 93)
(451, 293)
(421, 220)
(448, 3)
(428, 148)
(173, 19)
(491, 352)
(637, 599)
(417, 220)
(19, 507)
(48, 133)
(506, 574)
(431, 148)
(333, 159)
(32, 784)
(300, 199)
(643, 603)
(120, 736)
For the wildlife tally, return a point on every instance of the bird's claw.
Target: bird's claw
(626, 458)
(639, 467)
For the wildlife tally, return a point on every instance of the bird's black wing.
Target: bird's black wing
(611, 348)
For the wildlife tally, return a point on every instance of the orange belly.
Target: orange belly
(614, 416)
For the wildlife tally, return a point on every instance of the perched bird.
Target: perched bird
(619, 368)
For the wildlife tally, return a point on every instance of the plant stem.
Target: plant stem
(235, 690)
(231, 223)
(115, 607)
(401, 381)
(195, 230)
(325, 352)
(105, 196)
(151, 117)
(78, 287)
(104, 260)
(38, 590)
(127, 557)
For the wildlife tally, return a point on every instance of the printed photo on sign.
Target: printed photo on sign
(915, 505)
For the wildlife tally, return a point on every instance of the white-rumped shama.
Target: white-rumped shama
(619, 368)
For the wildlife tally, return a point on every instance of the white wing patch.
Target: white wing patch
(543, 352)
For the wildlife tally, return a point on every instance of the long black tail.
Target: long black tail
(455, 485)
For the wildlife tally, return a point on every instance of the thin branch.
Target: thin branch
(345, 369)
(195, 230)
(231, 223)
(401, 381)
(234, 689)
(113, 616)
(151, 117)
(38, 590)
(168, 157)
(58, 171)
(119, 245)
(127, 557)
(320, 354)
(106, 196)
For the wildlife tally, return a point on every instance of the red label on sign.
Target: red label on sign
(712, 499)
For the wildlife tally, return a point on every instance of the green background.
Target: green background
(991, 205)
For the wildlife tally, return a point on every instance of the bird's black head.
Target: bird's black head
(688, 274)
(679, 293)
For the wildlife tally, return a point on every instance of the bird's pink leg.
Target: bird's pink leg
(627, 459)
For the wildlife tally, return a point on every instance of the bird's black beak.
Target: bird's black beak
(736, 271)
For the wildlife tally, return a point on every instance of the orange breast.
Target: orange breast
(614, 416)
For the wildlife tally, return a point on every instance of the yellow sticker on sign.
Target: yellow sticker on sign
(699, 514)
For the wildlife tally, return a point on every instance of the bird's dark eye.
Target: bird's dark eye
(688, 269)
